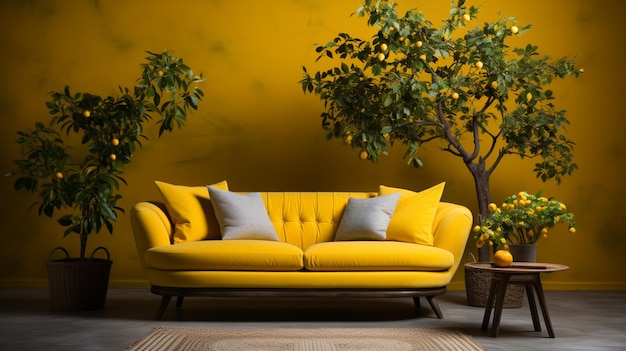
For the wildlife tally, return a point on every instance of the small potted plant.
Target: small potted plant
(85, 179)
(520, 222)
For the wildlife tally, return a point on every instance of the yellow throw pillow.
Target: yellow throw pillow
(413, 220)
(191, 211)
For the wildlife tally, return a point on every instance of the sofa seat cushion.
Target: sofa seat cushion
(227, 255)
(376, 256)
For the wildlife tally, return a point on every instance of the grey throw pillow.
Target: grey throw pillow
(367, 219)
(242, 216)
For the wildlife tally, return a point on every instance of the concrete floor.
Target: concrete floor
(582, 320)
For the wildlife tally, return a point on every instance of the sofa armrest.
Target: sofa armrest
(451, 230)
(151, 227)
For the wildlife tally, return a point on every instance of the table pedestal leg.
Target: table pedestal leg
(498, 290)
(533, 305)
(489, 304)
(544, 307)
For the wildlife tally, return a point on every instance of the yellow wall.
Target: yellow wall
(258, 131)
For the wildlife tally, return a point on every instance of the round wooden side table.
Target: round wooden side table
(525, 273)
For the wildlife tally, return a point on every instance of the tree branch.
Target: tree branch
(446, 126)
(447, 131)
(494, 139)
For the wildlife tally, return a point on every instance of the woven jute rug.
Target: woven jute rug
(336, 339)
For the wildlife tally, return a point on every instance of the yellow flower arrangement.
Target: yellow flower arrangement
(523, 219)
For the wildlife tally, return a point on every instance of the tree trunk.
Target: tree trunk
(483, 194)
(83, 245)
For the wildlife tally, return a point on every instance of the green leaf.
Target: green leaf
(66, 220)
(388, 100)
(344, 68)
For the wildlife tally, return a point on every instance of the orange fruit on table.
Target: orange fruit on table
(502, 258)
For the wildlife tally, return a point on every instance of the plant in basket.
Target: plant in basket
(76, 161)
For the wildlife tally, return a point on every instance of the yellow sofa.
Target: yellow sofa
(182, 254)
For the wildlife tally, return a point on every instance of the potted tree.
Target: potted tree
(519, 223)
(84, 180)
(460, 84)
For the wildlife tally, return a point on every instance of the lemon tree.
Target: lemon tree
(460, 84)
(86, 179)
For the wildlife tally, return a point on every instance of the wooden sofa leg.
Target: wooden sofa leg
(432, 301)
(165, 300)
(179, 301)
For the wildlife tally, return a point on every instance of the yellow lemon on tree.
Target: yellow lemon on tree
(86, 113)
(113, 157)
(59, 175)
(419, 44)
(572, 230)
(455, 95)
(494, 84)
(514, 29)
(502, 258)
(492, 207)
(479, 65)
(348, 139)
(115, 142)
(160, 73)
(383, 47)
(467, 17)
(423, 57)
(381, 57)
(364, 155)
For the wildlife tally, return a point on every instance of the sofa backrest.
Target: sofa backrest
(307, 218)
(300, 218)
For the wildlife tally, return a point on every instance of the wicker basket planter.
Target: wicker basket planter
(78, 285)
(478, 283)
